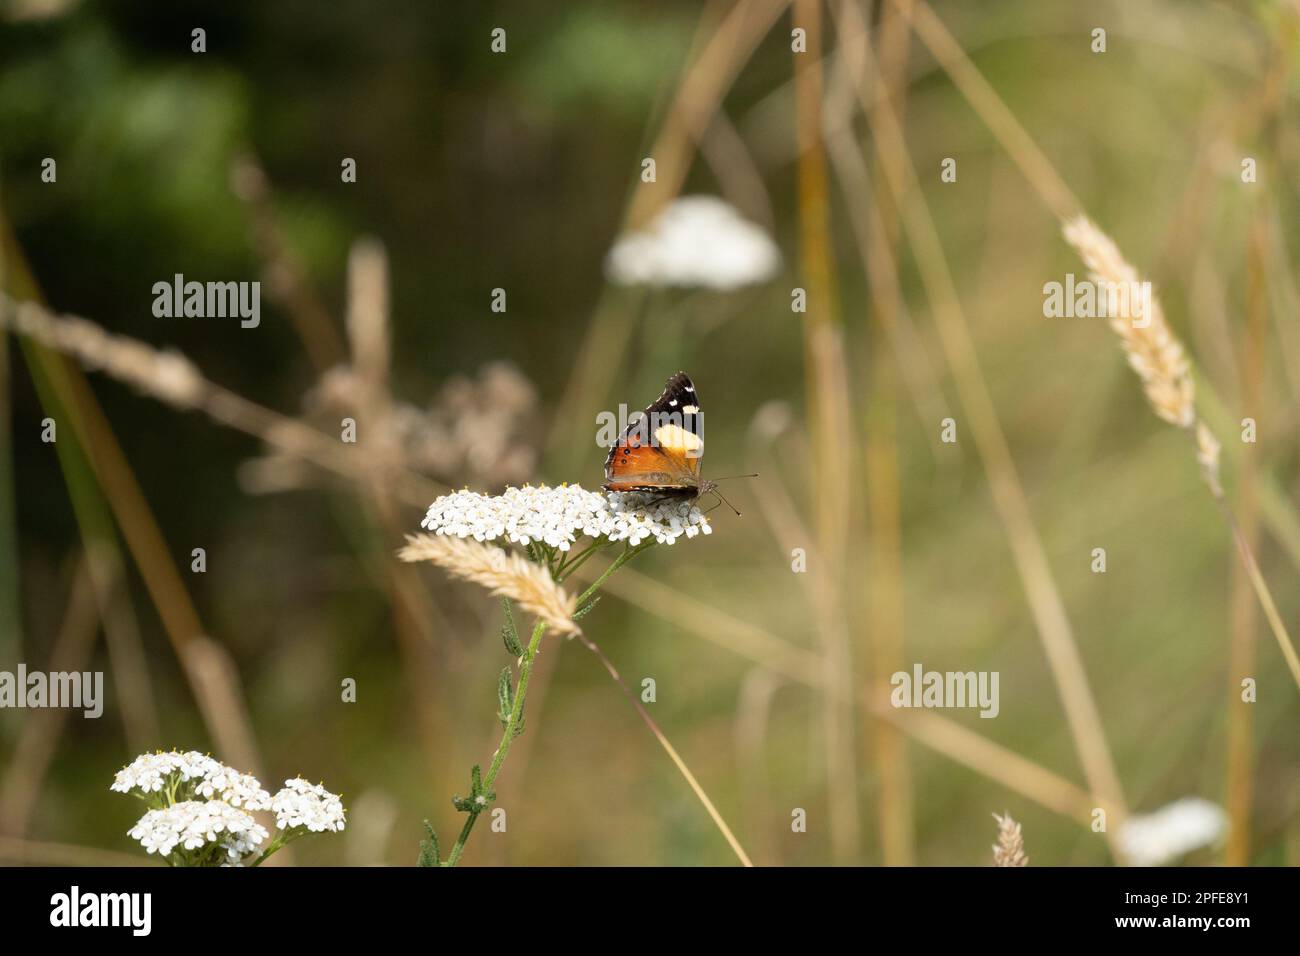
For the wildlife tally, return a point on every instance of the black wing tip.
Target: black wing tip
(677, 390)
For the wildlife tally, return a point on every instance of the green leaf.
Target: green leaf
(508, 632)
(505, 697)
(429, 852)
(478, 799)
(583, 611)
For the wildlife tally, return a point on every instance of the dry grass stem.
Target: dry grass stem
(167, 376)
(504, 573)
(669, 749)
(829, 408)
(1019, 145)
(174, 380)
(1044, 598)
(722, 52)
(1158, 358)
(942, 735)
(38, 738)
(284, 275)
(367, 316)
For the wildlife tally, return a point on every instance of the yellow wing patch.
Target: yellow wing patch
(676, 439)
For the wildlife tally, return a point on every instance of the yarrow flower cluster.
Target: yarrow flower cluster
(201, 811)
(303, 804)
(151, 773)
(558, 517)
(1159, 838)
(200, 825)
(696, 241)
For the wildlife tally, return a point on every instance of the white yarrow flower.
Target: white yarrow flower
(149, 773)
(201, 808)
(1158, 838)
(237, 789)
(694, 241)
(303, 804)
(560, 516)
(193, 824)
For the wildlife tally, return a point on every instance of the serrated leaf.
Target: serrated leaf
(429, 852)
(505, 697)
(509, 634)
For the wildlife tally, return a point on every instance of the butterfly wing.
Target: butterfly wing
(661, 451)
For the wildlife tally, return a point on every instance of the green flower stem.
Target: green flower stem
(569, 565)
(277, 843)
(614, 565)
(507, 736)
(517, 712)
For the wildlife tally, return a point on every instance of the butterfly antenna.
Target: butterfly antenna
(729, 477)
(719, 495)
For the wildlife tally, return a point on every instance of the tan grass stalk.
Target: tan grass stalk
(669, 749)
(167, 376)
(126, 653)
(1239, 786)
(725, 42)
(703, 87)
(876, 227)
(173, 379)
(38, 738)
(504, 573)
(1157, 357)
(829, 406)
(1010, 848)
(284, 275)
(758, 690)
(1044, 598)
(1020, 146)
(1275, 509)
(942, 735)
(367, 316)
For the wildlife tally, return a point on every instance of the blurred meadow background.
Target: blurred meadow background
(519, 170)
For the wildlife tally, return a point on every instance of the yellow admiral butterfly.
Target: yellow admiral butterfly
(659, 454)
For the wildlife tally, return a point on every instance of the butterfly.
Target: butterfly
(659, 454)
